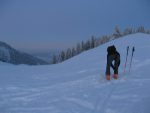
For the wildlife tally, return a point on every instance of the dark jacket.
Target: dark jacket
(112, 56)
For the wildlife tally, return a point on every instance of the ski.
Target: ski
(126, 59)
(133, 49)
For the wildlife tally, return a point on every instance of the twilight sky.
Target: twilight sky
(42, 25)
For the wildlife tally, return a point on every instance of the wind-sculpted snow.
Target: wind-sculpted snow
(78, 85)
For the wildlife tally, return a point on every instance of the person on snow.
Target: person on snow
(113, 60)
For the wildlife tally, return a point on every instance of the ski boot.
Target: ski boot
(107, 77)
(115, 76)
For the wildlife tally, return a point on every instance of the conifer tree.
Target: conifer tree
(73, 52)
(92, 42)
(68, 53)
(117, 33)
(62, 56)
(54, 61)
(78, 48)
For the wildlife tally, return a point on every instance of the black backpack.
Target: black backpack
(111, 50)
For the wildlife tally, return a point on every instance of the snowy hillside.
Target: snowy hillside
(78, 85)
(10, 55)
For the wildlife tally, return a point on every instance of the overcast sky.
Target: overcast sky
(43, 25)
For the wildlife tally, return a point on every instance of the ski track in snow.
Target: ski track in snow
(78, 85)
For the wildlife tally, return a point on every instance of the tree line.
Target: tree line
(95, 42)
(71, 52)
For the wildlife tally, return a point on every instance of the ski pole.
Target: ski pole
(126, 58)
(133, 49)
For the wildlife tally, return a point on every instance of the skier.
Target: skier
(113, 60)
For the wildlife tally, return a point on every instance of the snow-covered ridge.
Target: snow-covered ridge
(78, 85)
(4, 54)
(10, 55)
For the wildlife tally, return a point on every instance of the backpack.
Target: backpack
(111, 50)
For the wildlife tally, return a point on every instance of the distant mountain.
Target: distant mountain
(13, 56)
(47, 56)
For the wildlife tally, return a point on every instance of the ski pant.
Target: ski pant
(110, 59)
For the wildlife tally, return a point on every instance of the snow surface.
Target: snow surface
(78, 85)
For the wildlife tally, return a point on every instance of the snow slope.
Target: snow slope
(78, 85)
